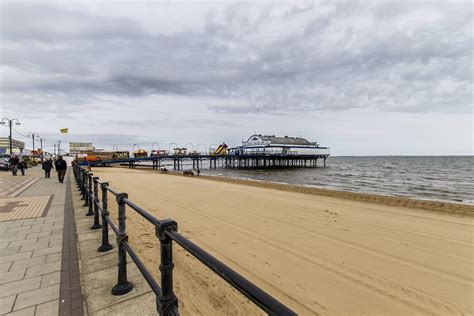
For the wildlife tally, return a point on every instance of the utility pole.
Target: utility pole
(10, 123)
(59, 147)
(41, 142)
(33, 135)
(54, 151)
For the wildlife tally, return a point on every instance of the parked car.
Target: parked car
(4, 164)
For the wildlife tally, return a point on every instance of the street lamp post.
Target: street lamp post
(33, 135)
(10, 123)
(41, 142)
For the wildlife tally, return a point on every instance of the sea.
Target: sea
(438, 178)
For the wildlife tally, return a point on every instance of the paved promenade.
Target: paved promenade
(39, 272)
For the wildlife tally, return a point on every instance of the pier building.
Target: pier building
(274, 145)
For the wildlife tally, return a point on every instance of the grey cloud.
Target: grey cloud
(407, 57)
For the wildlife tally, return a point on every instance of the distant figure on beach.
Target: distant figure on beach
(22, 166)
(188, 173)
(47, 166)
(61, 167)
(198, 171)
(164, 170)
(14, 161)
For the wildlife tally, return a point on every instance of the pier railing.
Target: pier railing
(166, 231)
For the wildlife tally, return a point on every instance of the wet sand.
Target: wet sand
(319, 252)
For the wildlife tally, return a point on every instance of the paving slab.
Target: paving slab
(48, 308)
(54, 257)
(36, 297)
(9, 251)
(46, 251)
(19, 286)
(12, 276)
(51, 279)
(26, 263)
(98, 285)
(15, 257)
(30, 311)
(43, 269)
(143, 305)
(4, 267)
(6, 304)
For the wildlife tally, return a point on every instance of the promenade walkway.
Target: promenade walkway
(39, 271)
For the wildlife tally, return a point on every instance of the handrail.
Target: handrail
(112, 191)
(112, 225)
(141, 211)
(141, 266)
(241, 284)
(166, 232)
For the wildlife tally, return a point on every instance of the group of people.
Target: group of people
(17, 164)
(59, 164)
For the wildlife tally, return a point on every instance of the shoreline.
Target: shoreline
(440, 207)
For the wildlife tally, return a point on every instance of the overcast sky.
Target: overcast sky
(365, 78)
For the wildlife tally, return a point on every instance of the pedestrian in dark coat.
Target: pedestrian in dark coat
(47, 166)
(61, 167)
(22, 166)
(14, 161)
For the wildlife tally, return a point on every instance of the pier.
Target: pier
(250, 161)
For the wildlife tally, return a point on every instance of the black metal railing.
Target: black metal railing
(166, 231)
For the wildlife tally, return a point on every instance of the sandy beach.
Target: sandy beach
(319, 253)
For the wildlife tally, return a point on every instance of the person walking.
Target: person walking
(61, 167)
(22, 166)
(47, 166)
(14, 161)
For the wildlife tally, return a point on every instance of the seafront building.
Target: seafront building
(275, 145)
(80, 148)
(17, 146)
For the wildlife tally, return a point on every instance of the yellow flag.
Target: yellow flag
(64, 130)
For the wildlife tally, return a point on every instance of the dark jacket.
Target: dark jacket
(14, 161)
(22, 165)
(47, 165)
(60, 164)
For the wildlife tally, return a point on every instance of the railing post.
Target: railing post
(167, 304)
(81, 189)
(123, 286)
(105, 246)
(78, 177)
(84, 188)
(90, 202)
(96, 224)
